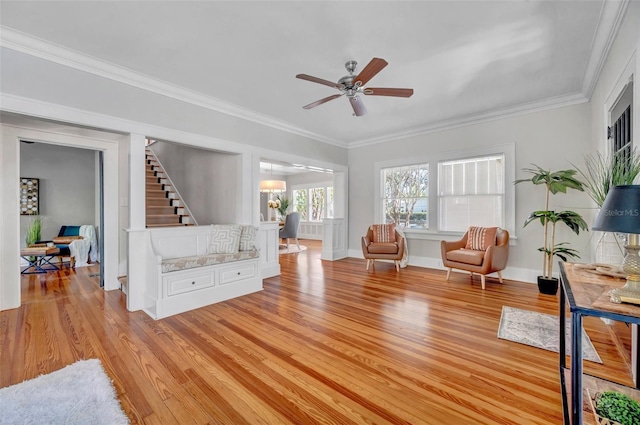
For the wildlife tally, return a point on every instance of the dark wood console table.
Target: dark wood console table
(587, 295)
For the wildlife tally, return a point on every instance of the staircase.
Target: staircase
(163, 204)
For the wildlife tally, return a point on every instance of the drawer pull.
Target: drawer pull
(193, 283)
(238, 273)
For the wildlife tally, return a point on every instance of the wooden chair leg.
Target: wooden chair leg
(397, 265)
(368, 262)
(500, 277)
(482, 280)
(72, 262)
(448, 273)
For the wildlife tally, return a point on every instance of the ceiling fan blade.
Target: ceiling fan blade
(386, 91)
(368, 72)
(318, 80)
(358, 106)
(321, 101)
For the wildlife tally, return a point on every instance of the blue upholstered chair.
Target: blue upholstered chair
(291, 226)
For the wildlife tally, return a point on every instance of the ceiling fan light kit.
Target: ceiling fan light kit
(351, 85)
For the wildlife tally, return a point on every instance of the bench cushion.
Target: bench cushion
(184, 263)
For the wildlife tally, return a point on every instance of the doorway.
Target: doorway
(17, 128)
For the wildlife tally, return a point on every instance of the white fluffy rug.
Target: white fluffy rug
(282, 249)
(80, 393)
(540, 330)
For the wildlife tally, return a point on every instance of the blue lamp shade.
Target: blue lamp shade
(620, 211)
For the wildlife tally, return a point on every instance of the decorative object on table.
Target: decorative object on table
(283, 206)
(540, 330)
(614, 408)
(273, 205)
(34, 231)
(601, 173)
(554, 182)
(621, 213)
(80, 393)
(29, 196)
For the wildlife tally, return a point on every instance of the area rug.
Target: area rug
(540, 330)
(80, 393)
(282, 249)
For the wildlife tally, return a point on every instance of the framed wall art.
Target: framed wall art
(29, 196)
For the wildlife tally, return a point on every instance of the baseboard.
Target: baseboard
(511, 273)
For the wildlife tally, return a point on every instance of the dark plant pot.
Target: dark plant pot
(548, 286)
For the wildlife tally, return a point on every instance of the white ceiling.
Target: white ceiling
(466, 60)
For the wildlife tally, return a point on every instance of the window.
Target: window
(444, 192)
(314, 203)
(471, 192)
(405, 196)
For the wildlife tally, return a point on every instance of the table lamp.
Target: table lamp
(621, 213)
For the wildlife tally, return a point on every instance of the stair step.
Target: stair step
(163, 219)
(168, 225)
(164, 209)
(153, 193)
(158, 202)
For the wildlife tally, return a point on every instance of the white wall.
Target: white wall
(67, 186)
(552, 139)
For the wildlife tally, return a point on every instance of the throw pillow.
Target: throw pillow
(225, 238)
(481, 238)
(384, 233)
(247, 237)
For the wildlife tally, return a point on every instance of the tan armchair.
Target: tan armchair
(383, 242)
(476, 253)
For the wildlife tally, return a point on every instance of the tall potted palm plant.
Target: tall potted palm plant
(554, 182)
(601, 172)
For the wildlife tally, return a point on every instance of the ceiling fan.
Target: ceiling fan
(352, 85)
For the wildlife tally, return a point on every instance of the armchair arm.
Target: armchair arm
(365, 243)
(401, 243)
(496, 257)
(446, 246)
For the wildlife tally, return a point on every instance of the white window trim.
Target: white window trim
(509, 152)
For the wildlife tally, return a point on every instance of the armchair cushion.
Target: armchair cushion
(466, 256)
(383, 233)
(480, 238)
(383, 248)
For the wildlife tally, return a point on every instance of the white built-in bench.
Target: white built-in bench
(195, 266)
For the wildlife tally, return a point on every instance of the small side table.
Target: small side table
(39, 259)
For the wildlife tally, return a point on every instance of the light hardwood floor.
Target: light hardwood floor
(326, 342)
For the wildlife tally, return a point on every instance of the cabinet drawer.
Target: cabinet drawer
(186, 284)
(237, 272)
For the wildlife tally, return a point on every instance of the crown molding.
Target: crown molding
(24, 43)
(611, 17)
(496, 114)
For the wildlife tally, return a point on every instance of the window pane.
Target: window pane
(330, 202)
(405, 199)
(471, 192)
(300, 203)
(317, 195)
